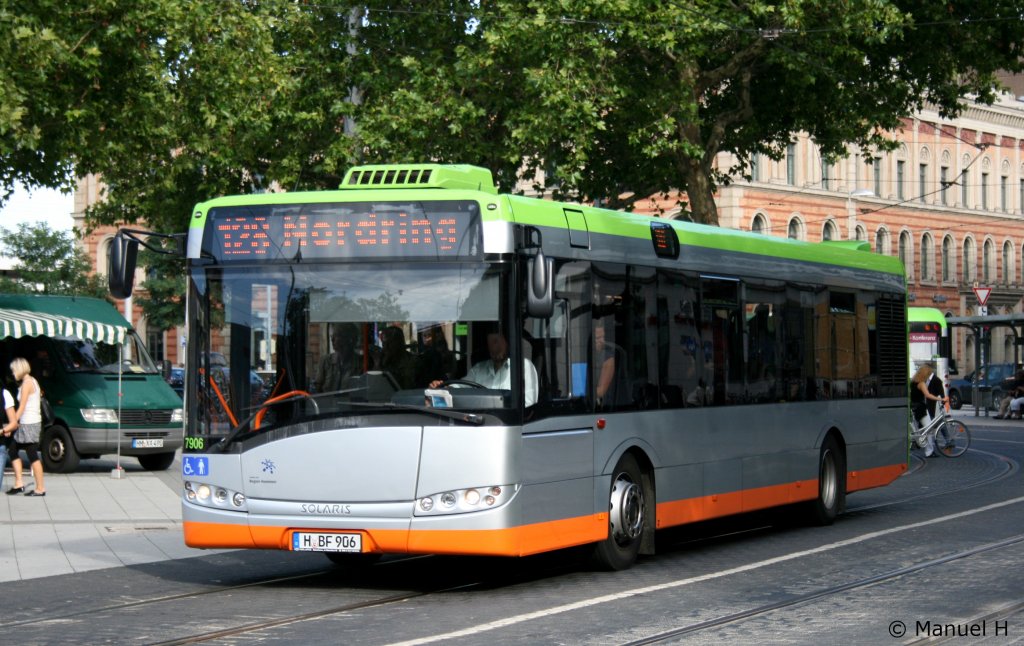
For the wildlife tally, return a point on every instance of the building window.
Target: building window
(794, 229)
(900, 166)
(758, 225)
(828, 232)
(905, 251)
(968, 257)
(876, 169)
(927, 251)
(826, 175)
(986, 262)
(755, 167)
(922, 179)
(881, 241)
(1003, 182)
(103, 257)
(947, 259)
(944, 184)
(984, 191)
(791, 164)
(1007, 262)
(155, 345)
(861, 233)
(965, 180)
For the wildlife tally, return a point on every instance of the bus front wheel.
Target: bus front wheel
(626, 517)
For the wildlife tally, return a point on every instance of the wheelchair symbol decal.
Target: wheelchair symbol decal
(195, 466)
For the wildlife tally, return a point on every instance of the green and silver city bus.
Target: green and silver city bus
(647, 372)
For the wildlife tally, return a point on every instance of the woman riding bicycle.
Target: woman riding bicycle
(925, 389)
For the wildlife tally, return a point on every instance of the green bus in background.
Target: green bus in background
(929, 341)
(84, 353)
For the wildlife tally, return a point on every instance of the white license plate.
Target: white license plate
(147, 444)
(326, 542)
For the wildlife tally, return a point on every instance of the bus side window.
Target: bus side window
(558, 345)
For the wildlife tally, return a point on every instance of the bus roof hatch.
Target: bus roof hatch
(449, 176)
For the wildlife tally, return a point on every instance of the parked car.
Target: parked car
(990, 378)
(176, 380)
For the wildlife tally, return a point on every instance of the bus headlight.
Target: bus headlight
(205, 495)
(177, 416)
(463, 501)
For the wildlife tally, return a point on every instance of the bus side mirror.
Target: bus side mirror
(124, 254)
(540, 286)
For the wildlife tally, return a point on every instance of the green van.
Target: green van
(82, 351)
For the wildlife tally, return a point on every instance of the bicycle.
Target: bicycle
(950, 437)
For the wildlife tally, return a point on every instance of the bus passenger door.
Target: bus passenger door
(558, 434)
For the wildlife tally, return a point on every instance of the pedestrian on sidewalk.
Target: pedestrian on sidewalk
(9, 425)
(29, 418)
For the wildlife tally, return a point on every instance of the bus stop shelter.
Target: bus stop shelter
(981, 327)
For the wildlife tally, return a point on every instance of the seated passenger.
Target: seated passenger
(699, 396)
(494, 372)
(606, 355)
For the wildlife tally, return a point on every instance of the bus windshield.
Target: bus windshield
(293, 343)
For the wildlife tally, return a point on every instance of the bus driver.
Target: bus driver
(495, 372)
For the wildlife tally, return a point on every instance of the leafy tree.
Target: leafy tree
(620, 99)
(176, 101)
(49, 262)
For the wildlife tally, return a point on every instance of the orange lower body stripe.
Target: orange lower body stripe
(870, 478)
(514, 541)
(538, 537)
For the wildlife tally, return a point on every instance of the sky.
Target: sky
(40, 205)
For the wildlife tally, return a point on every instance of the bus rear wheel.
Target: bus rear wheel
(831, 483)
(626, 517)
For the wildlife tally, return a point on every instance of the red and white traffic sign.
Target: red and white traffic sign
(982, 294)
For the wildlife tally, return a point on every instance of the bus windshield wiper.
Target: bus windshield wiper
(469, 418)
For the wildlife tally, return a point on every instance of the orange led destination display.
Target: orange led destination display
(321, 233)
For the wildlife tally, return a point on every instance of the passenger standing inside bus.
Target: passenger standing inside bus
(395, 358)
(10, 425)
(29, 418)
(436, 361)
(926, 390)
(340, 364)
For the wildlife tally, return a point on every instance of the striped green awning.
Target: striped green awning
(19, 323)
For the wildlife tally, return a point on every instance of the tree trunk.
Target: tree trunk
(701, 193)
